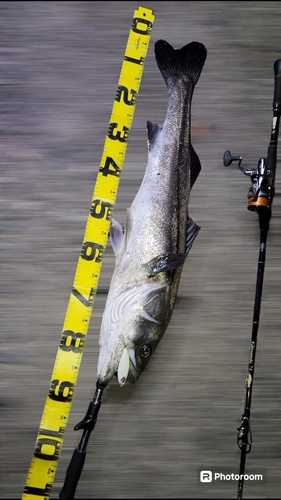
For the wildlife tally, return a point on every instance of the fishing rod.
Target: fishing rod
(76, 464)
(260, 199)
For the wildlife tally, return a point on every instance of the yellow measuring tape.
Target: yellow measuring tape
(53, 423)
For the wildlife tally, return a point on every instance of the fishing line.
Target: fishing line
(58, 403)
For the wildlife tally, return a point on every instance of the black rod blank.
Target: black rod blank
(244, 439)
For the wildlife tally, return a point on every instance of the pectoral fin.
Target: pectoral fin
(170, 261)
(165, 262)
(116, 236)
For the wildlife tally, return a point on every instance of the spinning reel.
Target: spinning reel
(261, 192)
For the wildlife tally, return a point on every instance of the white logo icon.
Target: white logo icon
(206, 476)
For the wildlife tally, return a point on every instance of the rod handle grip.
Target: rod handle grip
(72, 475)
(277, 83)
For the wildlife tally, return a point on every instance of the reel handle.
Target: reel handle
(228, 159)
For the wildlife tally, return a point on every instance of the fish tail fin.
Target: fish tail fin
(175, 63)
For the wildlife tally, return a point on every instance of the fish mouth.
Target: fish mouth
(127, 369)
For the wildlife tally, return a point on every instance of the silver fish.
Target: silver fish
(158, 231)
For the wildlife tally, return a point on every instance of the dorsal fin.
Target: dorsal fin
(195, 165)
(192, 231)
(152, 132)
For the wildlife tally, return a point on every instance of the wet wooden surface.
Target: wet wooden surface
(59, 72)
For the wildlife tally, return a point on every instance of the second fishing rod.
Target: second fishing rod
(260, 198)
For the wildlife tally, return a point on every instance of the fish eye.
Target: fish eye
(145, 351)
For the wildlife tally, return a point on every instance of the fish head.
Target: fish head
(145, 336)
(126, 346)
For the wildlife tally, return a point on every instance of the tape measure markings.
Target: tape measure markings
(55, 415)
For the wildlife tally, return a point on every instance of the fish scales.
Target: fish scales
(158, 232)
